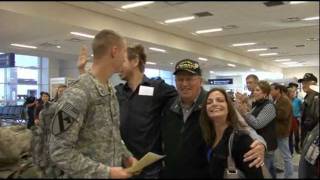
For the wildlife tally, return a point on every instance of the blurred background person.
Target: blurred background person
(262, 118)
(296, 118)
(59, 92)
(45, 97)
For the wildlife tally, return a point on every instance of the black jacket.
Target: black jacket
(183, 143)
(140, 115)
(310, 111)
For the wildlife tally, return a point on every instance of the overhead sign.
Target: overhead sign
(220, 81)
(7, 60)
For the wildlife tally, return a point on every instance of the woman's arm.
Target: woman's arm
(266, 115)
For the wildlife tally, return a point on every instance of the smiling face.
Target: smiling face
(217, 107)
(188, 85)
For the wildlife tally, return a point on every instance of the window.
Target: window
(167, 76)
(27, 75)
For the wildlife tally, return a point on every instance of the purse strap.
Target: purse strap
(231, 167)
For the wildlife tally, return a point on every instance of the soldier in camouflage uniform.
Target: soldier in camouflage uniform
(40, 142)
(85, 140)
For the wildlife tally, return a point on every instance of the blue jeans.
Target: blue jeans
(283, 145)
(269, 162)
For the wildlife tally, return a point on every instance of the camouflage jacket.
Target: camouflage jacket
(41, 137)
(85, 139)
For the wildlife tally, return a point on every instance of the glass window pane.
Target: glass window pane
(24, 73)
(23, 89)
(152, 72)
(26, 61)
(2, 75)
(2, 95)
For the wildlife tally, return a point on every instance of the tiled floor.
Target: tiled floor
(295, 160)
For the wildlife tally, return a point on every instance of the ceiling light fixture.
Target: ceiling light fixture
(295, 65)
(292, 62)
(171, 63)
(179, 19)
(231, 65)
(312, 39)
(252, 69)
(24, 46)
(211, 72)
(282, 60)
(254, 50)
(151, 63)
(209, 30)
(243, 44)
(58, 47)
(82, 34)
(137, 4)
(157, 49)
(297, 2)
(202, 59)
(268, 54)
(311, 18)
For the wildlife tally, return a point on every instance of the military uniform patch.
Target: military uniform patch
(64, 118)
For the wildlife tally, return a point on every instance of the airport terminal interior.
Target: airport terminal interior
(41, 44)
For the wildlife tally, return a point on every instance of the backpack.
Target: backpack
(15, 153)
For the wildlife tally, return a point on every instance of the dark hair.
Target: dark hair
(207, 127)
(264, 86)
(103, 41)
(45, 93)
(253, 76)
(280, 87)
(292, 84)
(138, 52)
(57, 95)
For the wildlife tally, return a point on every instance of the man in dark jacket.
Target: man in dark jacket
(308, 118)
(182, 139)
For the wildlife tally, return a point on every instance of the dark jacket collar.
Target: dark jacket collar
(175, 107)
(145, 81)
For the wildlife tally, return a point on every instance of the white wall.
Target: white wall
(300, 71)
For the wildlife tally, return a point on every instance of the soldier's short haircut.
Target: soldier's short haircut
(103, 41)
(253, 76)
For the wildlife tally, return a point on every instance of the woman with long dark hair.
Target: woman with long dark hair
(218, 121)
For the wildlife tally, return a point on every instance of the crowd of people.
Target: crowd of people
(97, 131)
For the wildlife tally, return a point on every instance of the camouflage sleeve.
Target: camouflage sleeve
(70, 115)
(37, 145)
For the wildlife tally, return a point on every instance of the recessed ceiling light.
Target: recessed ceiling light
(292, 62)
(157, 49)
(58, 47)
(268, 54)
(82, 34)
(243, 44)
(311, 18)
(151, 63)
(118, 9)
(254, 50)
(295, 65)
(282, 60)
(179, 19)
(252, 69)
(203, 59)
(211, 72)
(297, 2)
(231, 65)
(171, 63)
(209, 30)
(312, 39)
(91, 55)
(24, 46)
(137, 4)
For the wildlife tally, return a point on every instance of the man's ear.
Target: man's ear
(114, 51)
(135, 62)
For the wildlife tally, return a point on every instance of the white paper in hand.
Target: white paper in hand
(145, 161)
